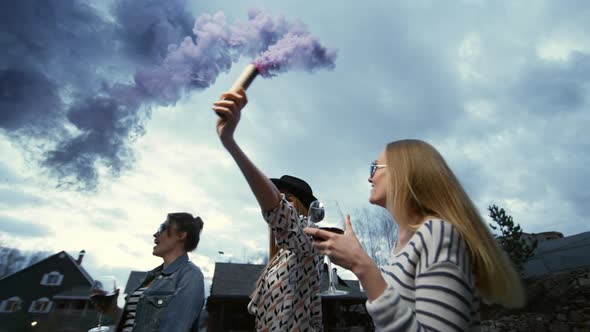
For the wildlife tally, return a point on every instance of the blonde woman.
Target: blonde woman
(445, 259)
(286, 297)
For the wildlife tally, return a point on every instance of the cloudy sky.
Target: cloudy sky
(88, 162)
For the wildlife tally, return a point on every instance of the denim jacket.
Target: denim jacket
(173, 302)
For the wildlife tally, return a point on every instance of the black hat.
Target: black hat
(296, 187)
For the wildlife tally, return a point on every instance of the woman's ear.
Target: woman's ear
(182, 235)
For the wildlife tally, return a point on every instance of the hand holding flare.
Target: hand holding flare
(242, 83)
(231, 103)
(246, 78)
(229, 108)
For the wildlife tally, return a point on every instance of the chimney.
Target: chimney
(80, 257)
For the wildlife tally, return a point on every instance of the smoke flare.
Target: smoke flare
(64, 77)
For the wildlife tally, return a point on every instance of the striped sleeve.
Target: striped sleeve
(288, 229)
(444, 293)
(443, 297)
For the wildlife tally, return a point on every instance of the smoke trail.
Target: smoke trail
(147, 28)
(108, 123)
(17, 109)
(295, 52)
(59, 65)
(196, 63)
(64, 85)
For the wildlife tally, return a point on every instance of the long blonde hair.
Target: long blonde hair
(420, 182)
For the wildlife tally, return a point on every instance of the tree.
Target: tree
(13, 260)
(253, 257)
(510, 237)
(244, 255)
(376, 231)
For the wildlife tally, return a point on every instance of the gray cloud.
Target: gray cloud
(22, 228)
(115, 213)
(7, 174)
(13, 198)
(552, 87)
(60, 70)
(109, 218)
(552, 104)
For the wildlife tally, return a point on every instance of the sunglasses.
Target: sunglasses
(163, 227)
(374, 167)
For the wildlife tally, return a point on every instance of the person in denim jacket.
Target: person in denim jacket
(171, 296)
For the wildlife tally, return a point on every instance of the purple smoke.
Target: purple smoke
(295, 52)
(66, 66)
(108, 122)
(147, 27)
(195, 63)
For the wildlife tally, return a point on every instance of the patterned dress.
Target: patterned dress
(287, 295)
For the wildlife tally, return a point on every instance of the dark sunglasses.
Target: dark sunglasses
(374, 167)
(163, 227)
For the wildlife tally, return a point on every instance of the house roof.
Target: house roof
(26, 284)
(61, 254)
(74, 283)
(80, 268)
(545, 233)
(569, 242)
(233, 280)
(135, 278)
(560, 255)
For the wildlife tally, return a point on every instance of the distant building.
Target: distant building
(50, 295)
(559, 255)
(541, 237)
(233, 283)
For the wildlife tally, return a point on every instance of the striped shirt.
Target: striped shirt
(431, 286)
(287, 295)
(131, 308)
